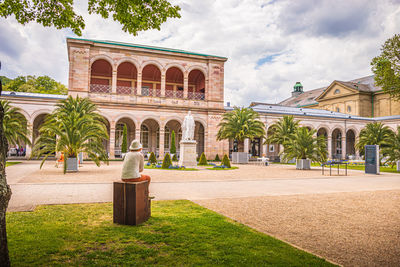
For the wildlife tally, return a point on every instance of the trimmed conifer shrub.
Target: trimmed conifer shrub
(173, 147)
(174, 158)
(152, 158)
(124, 145)
(217, 158)
(203, 160)
(225, 161)
(166, 161)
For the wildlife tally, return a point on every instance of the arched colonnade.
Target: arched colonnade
(151, 78)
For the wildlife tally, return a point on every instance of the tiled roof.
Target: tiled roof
(310, 112)
(364, 84)
(304, 99)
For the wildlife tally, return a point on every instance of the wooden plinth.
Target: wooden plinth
(131, 203)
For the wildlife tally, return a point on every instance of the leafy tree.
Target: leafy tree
(14, 125)
(386, 67)
(217, 158)
(302, 144)
(4, 80)
(124, 145)
(33, 84)
(226, 162)
(134, 16)
(174, 158)
(281, 131)
(393, 150)
(152, 158)
(239, 124)
(173, 146)
(375, 133)
(74, 126)
(203, 159)
(166, 161)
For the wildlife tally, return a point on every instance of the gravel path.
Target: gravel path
(353, 229)
(90, 173)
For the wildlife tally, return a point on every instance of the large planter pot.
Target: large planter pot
(72, 164)
(240, 157)
(303, 164)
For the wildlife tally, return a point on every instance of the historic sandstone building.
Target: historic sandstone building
(151, 89)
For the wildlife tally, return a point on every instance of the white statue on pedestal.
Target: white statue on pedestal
(188, 128)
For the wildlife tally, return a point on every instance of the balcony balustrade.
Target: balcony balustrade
(100, 88)
(196, 96)
(125, 90)
(151, 92)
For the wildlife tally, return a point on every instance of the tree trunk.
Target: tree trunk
(5, 193)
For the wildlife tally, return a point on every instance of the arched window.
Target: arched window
(144, 136)
(348, 109)
(337, 109)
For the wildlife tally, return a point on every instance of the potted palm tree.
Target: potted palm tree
(281, 131)
(375, 133)
(240, 124)
(74, 126)
(305, 147)
(14, 125)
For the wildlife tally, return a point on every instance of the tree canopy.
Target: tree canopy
(33, 84)
(133, 15)
(386, 67)
(239, 124)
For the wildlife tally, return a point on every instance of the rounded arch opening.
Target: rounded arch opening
(199, 133)
(174, 83)
(126, 78)
(196, 83)
(150, 136)
(172, 125)
(151, 80)
(350, 144)
(337, 144)
(101, 76)
(130, 134)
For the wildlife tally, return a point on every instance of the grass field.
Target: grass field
(10, 163)
(179, 233)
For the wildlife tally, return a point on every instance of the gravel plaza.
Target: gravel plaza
(349, 220)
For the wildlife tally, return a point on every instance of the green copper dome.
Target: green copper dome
(298, 87)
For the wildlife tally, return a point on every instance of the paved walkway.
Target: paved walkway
(197, 185)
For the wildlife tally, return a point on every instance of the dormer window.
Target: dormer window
(337, 91)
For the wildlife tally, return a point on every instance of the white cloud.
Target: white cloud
(314, 42)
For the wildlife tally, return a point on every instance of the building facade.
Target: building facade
(149, 89)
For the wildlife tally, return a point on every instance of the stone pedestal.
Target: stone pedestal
(187, 156)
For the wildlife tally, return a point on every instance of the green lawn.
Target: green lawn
(179, 233)
(223, 169)
(153, 167)
(10, 163)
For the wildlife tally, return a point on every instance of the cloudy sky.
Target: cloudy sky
(270, 44)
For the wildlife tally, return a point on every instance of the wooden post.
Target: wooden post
(131, 203)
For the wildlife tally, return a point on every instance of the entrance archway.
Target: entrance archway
(119, 127)
(199, 137)
(337, 144)
(350, 144)
(150, 136)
